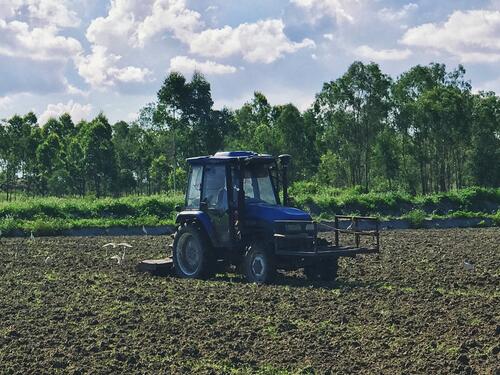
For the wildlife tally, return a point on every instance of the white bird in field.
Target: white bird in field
(47, 260)
(32, 237)
(468, 266)
(351, 225)
(144, 230)
(124, 244)
(120, 259)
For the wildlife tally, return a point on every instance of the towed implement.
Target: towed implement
(233, 216)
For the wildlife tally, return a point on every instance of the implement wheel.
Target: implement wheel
(192, 253)
(322, 271)
(258, 264)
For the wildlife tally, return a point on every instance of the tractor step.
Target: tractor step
(159, 267)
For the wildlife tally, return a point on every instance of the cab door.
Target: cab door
(215, 202)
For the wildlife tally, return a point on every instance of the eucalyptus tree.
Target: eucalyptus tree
(352, 111)
(98, 154)
(432, 112)
(484, 154)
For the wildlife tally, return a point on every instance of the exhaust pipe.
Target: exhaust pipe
(284, 161)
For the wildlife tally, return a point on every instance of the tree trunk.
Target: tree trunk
(422, 177)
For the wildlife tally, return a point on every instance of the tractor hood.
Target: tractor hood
(270, 212)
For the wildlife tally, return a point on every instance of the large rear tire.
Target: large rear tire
(258, 264)
(322, 271)
(192, 253)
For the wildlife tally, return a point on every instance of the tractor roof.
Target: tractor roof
(228, 156)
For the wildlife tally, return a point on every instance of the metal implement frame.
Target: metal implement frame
(337, 250)
(354, 229)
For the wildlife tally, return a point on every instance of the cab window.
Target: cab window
(214, 187)
(258, 185)
(194, 188)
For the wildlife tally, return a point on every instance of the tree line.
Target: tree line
(424, 132)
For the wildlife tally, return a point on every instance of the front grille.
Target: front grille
(299, 239)
(294, 244)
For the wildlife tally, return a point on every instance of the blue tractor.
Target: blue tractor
(233, 216)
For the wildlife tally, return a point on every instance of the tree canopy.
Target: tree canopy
(425, 131)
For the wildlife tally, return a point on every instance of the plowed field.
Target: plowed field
(66, 307)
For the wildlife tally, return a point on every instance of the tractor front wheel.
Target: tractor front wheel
(258, 264)
(322, 271)
(192, 253)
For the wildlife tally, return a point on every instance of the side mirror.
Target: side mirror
(178, 208)
(284, 159)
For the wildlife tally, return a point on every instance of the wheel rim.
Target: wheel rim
(258, 266)
(189, 254)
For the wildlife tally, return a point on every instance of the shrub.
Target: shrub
(416, 218)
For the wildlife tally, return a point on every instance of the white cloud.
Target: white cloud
(38, 43)
(54, 12)
(76, 110)
(132, 116)
(49, 12)
(94, 67)
(168, 15)
(262, 41)
(488, 85)
(471, 36)
(116, 27)
(73, 90)
(100, 69)
(340, 10)
(328, 36)
(37, 37)
(134, 23)
(391, 15)
(5, 102)
(8, 8)
(369, 53)
(130, 74)
(187, 66)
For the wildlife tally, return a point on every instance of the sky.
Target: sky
(88, 56)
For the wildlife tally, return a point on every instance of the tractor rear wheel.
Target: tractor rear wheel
(322, 271)
(192, 253)
(258, 264)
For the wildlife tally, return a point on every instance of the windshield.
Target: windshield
(257, 184)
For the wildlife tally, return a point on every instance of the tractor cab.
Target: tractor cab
(233, 215)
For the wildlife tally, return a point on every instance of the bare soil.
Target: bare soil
(66, 307)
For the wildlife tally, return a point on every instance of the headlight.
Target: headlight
(292, 227)
(309, 227)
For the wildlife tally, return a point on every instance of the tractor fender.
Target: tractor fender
(200, 217)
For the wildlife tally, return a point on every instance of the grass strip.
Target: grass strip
(51, 215)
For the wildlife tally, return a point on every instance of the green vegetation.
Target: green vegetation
(326, 201)
(416, 218)
(420, 146)
(52, 215)
(424, 132)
